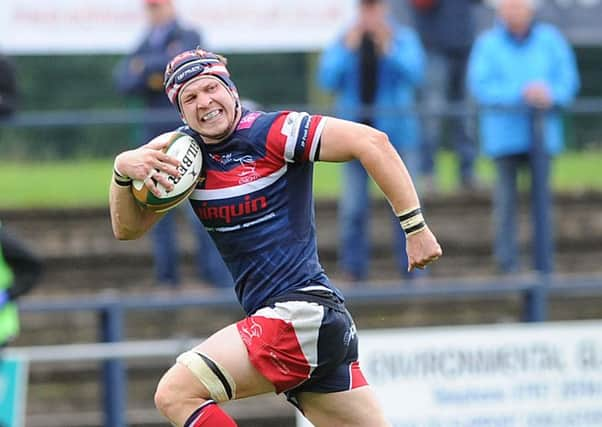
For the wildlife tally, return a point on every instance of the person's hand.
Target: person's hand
(353, 37)
(538, 95)
(382, 36)
(422, 249)
(145, 162)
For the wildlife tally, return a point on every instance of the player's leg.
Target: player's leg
(216, 370)
(505, 203)
(209, 262)
(353, 408)
(337, 393)
(354, 202)
(433, 99)
(165, 250)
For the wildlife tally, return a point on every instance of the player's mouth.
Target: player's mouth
(211, 115)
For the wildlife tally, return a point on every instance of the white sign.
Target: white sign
(115, 26)
(524, 375)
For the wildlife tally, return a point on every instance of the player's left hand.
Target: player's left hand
(422, 249)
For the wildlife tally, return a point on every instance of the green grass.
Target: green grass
(79, 183)
(84, 183)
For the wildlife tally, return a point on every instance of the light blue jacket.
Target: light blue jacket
(499, 68)
(400, 71)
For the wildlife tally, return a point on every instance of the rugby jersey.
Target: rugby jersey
(255, 199)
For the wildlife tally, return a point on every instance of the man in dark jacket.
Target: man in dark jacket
(8, 87)
(141, 73)
(447, 30)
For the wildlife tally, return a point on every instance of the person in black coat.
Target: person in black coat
(141, 73)
(8, 87)
(447, 29)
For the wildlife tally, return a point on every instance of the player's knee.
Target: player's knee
(174, 393)
(167, 396)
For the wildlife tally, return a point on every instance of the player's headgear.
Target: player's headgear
(191, 64)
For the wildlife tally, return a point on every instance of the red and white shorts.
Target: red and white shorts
(304, 346)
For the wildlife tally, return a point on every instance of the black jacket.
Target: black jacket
(25, 265)
(8, 87)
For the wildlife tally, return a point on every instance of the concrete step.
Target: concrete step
(83, 256)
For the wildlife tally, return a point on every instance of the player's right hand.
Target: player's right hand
(143, 163)
(422, 249)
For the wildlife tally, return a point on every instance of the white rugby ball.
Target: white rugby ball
(184, 148)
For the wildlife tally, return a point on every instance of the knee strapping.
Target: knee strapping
(214, 377)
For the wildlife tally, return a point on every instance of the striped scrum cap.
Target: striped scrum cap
(191, 64)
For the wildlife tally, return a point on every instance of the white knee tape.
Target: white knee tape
(215, 378)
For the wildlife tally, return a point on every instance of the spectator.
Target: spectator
(141, 73)
(447, 30)
(8, 87)
(373, 68)
(20, 269)
(520, 72)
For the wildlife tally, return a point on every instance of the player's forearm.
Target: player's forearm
(128, 219)
(383, 164)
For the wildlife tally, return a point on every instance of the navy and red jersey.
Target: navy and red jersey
(255, 198)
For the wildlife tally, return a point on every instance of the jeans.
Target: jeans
(354, 222)
(209, 263)
(506, 248)
(445, 82)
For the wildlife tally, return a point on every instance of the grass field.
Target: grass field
(84, 183)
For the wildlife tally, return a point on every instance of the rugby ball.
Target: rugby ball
(184, 148)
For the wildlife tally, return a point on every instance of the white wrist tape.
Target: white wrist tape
(120, 179)
(411, 220)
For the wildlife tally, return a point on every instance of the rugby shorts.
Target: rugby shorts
(304, 343)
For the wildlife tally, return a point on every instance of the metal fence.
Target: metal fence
(102, 132)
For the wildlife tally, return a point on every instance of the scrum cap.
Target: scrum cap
(191, 64)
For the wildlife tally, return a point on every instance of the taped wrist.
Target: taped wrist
(121, 179)
(411, 221)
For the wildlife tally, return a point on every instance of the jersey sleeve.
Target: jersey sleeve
(295, 136)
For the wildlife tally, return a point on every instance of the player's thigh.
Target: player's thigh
(227, 349)
(353, 408)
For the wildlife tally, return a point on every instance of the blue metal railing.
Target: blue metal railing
(96, 117)
(535, 292)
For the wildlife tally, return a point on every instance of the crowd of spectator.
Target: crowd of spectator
(416, 82)
(519, 73)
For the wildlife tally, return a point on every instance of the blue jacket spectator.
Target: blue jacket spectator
(401, 71)
(501, 66)
(373, 69)
(521, 72)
